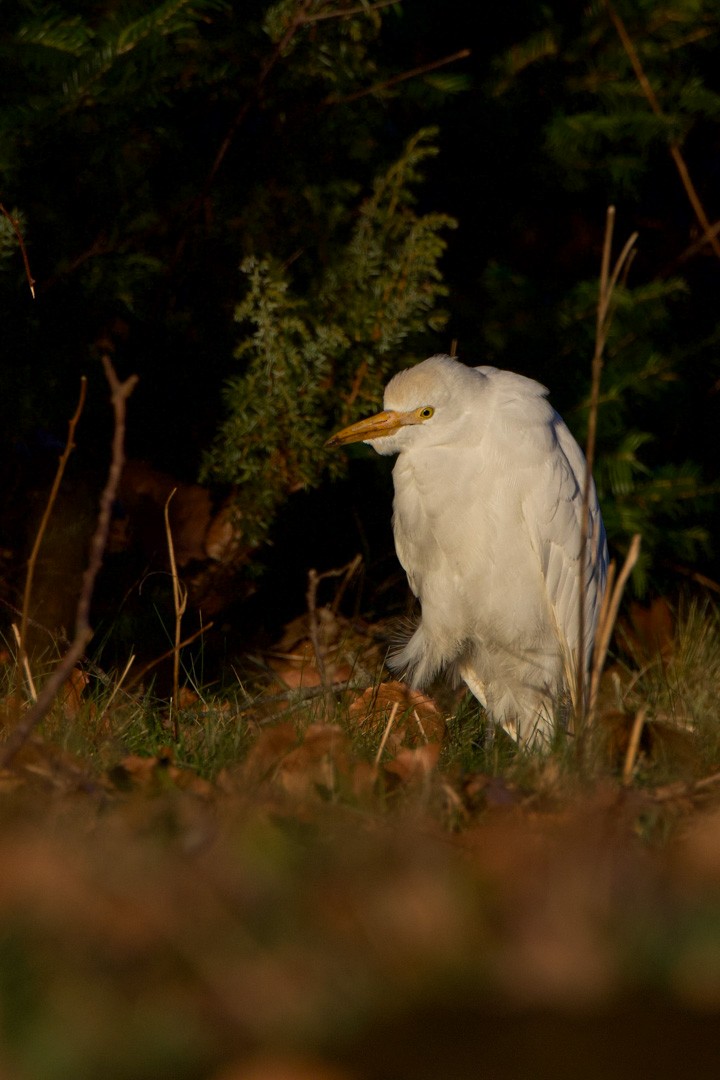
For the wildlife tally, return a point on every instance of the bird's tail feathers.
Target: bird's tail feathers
(413, 657)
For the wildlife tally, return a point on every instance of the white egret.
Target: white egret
(488, 526)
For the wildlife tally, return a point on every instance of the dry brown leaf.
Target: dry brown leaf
(649, 632)
(484, 791)
(143, 493)
(268, 750)
(11, 707)
(187, 697)
(157, 774)
(293, 658)
(413, 765)
(70, 696)
(296, 672)
(51, 767)
(321, 759)
(301, 764)
(220, 534)
(10, 781)
(662, 738)
(296, 634)
(418, 720)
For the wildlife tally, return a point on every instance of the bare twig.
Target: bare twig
(32, 561)
(710, 236)
(696, 576)
(693, 249)
(349, 571)
(21, 243)
(180, 604)
(314, 580)
(685, 788)
(120, 392)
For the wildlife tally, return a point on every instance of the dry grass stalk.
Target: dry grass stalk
(607, 284)
(117, 687)
(633, 745)
(386, 733)
(180, 605)
(22, 655)
(120, 392)
(608, 616)
(32, 561)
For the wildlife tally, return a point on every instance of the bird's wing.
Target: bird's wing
(553, 508)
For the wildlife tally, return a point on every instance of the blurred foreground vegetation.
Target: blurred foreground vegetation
(352, 881)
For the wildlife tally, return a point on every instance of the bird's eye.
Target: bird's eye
(426, 412)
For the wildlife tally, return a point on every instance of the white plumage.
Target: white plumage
(488, 526)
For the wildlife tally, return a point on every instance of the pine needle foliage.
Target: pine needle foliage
(8, 239)
(154, 148)
(617, 93)
(317, 357)
(664, 500)
(605, 127)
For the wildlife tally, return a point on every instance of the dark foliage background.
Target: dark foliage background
(147, 152)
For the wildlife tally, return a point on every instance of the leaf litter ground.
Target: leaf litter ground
(332, 883)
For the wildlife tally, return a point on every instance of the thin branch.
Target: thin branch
(302, 18)
(141, 672)
(696, 576)
(377, 88)
(692, 249)
(32, 561)
(120, 392)
(350, 570)
(646, 87)
(361, 9)
(15, 225)
(314, 580)
(265, 71)
(239, 119)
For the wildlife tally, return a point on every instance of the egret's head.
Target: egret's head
(429, 396)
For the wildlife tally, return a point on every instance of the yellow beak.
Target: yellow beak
(372, 427)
